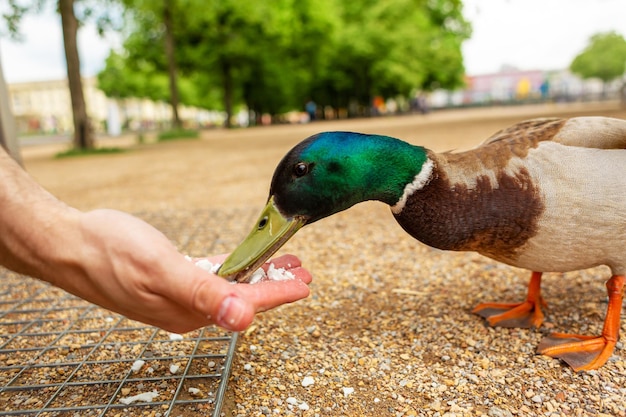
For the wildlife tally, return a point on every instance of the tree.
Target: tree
(275, 56)
(8, 134)
(168, 10)
(83, 131)
(603, 58)
(242, 47)
(154, 22)
(414, 44)
(253, 52)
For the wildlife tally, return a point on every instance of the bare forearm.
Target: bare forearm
(32, 223)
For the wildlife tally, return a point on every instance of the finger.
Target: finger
(302, 274)
(287, 261)
(293, 265)
(220, 302)
(202, 294)
(266, 295)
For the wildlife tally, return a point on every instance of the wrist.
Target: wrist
(58, 251)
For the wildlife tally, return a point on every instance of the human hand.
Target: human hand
(129, 267)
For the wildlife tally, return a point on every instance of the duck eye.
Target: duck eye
(262, 223)
(300, 169)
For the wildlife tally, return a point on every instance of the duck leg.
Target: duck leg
(525, 314)
(588, 352)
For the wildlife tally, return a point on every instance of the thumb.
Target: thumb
(217, 299)
(234, 313)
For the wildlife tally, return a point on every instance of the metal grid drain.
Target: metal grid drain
(62, 356)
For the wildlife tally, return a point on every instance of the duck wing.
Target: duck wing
(586, 132)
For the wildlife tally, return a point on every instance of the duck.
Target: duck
(546, 195)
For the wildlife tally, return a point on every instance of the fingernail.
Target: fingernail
(231, 312)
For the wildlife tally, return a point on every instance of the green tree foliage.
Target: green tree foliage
(12, 17)
(390, 48)
(274, 56)
(603, 58)
(141, 79)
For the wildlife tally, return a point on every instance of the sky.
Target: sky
(526, 34)
(535, 34)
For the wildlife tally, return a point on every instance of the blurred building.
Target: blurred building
(513, 86)
(45, 107)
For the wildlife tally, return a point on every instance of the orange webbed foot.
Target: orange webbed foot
(526, 314)
(523, 315)
(584, 353)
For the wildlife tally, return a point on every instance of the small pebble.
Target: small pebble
(195, 392)
(137, 365)
(347, 391)
(307, 381)
(143, 397)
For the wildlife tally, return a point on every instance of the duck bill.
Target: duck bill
(271, 231)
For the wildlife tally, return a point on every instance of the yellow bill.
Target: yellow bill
(271, 231)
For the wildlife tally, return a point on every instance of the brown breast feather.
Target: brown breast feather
(482, 200)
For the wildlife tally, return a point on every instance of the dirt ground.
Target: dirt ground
(233, 168)
(387, 329)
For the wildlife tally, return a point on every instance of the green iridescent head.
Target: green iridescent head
(320, 176)
(332, 171)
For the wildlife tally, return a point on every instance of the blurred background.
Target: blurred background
(76, 69)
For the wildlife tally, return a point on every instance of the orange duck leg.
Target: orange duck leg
(526, 314)
(584, 353)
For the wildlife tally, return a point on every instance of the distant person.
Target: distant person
(422, 103)
(378, 106)
(121, 263)
(311, 110)
(522, 90)
(544, 89)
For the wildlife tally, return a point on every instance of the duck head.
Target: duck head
(322, 175)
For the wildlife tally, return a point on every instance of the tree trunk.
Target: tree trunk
(227, 79)
(171, 61)
(8, 133)
(83, 131)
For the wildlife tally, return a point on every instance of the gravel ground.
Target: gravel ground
(387, 329)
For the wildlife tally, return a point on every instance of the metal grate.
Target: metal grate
(62, 356)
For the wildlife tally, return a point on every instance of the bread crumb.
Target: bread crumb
(273, 273)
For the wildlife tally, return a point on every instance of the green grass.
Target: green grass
(84, 152)
(177, 134)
